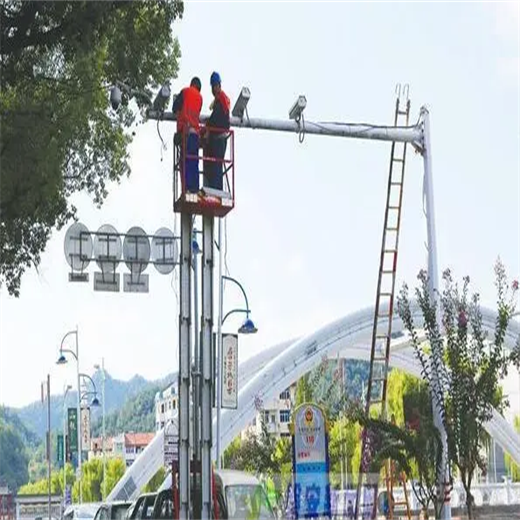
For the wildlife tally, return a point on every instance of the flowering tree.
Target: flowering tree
(468, 364)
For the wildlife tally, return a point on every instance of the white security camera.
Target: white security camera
(298, 108)
(115, 97)
(241, 104)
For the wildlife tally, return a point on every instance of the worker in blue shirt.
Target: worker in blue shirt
(216, 140)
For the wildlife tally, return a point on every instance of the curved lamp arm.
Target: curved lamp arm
(86, 376)
(234, 311)
(228, 278)
(70, 333)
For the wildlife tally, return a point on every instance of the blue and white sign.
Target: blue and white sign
(310, 462)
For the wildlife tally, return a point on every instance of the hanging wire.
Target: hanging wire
(163, 143)
(301, 135)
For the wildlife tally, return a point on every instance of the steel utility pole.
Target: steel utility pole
(103, 439)
(417, 135)
(46, 394)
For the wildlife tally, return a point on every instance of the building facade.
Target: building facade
(165, 406)
(129, 445)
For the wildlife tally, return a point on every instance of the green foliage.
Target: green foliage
(13, 455)
(155, 481)
(116, 468)
(58, 134)
(136, 415)
(468, 363)
(512, 468)
(344, 450)
(41, 486)
(92, 481)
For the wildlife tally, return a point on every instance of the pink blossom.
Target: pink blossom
(514, 285)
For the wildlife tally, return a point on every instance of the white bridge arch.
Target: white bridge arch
(348, 337)
(268, 373)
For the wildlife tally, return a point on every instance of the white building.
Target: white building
(129, 445)
(165, 406)
(277, 413)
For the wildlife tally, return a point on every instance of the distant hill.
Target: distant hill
(117, 393)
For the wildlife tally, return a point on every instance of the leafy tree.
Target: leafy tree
(155, 481)
(344, 446)
(13, 457)
(58, 134)
(470, 365)
(41, 486)
(116, 468)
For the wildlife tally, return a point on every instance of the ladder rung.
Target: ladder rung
(395, 183)
(388, 271)
(393, 228)
(385, 294)
(390, 251)
(394, 207)
(378, 379)
(382, 336)
(402, 112)
(398, 159)
(379, 359)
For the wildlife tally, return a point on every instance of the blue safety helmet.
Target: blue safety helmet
(215, 79)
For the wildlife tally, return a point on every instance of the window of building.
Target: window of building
(285, 395)
(174, 403)
(162, 408)
(285, 416)
(273, 418)
(265, 417)
(170, 405)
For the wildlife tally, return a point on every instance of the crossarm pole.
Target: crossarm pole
(409, 134)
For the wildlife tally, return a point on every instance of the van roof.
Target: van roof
(231, 477)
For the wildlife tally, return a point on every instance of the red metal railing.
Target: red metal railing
(228, 161)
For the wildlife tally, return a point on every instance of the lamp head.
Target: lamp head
(248, 327)
(95, 402)
(62, 360)
(195, 247)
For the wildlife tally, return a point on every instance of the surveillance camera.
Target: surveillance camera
(115, 97)
(161, 100)
(298, 108)
(241, 104)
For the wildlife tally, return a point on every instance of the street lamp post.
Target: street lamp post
(67, 388)
(248, 327)
(97, 367)
(62, 360)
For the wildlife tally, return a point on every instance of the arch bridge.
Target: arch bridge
(270, 372)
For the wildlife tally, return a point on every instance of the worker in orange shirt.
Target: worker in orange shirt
(187, 106)
(216, 141)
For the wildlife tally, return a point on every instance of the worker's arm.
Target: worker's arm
(177, 102)
(219, 118)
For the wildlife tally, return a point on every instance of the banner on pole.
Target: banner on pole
(59, 450)
(229, 388)
(310, 462)
(72, 423)
(85, 429)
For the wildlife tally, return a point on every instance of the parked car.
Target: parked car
(112, 511)
(239, 496)
(142, 507)
(81, 511)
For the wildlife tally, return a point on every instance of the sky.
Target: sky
(305, 235)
